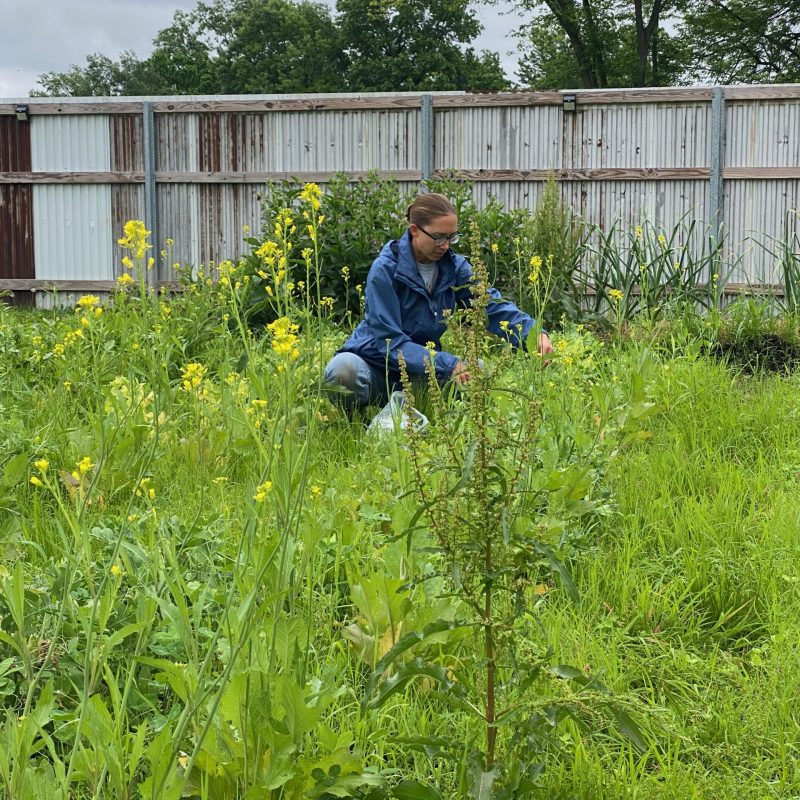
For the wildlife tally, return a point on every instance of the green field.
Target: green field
(580, 582)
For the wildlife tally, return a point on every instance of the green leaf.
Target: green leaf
(15, 470)
(481, 782)
(414, 790)
(418, 668)
(406, 643)
(629, 729)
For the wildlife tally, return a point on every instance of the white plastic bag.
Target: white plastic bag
(395, 416)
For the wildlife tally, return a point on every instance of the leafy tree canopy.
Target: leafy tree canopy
(280, 46)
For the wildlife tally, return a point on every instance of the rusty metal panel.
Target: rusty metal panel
(179, 213)
(523, 138)
(15, 145)
(225, 210)
(127, 203)
(16, 237)
(763, 134)
(72, 232)
(126, 137)
(176, 142)
(16, 207)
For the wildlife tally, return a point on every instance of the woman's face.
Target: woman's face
(426, 250)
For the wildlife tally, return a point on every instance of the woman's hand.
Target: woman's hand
(460, 373)
(545, 345)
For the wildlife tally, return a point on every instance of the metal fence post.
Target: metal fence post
(717, 196)
(150, 203)
(426, 136)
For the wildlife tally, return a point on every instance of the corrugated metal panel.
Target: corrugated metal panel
(16, 206)
(127, 143)
(71, 143)
(498, 138)
(761, 216)
(16, 237)
(224, 212)
(176, 142)
(342, 141)
(763, 134)
(73, 236)
(127, 202)
(15, 145)
(638, 136)
(179, 220)
(59, 299)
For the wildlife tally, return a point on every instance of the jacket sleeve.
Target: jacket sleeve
(504, 318)
(385, 320)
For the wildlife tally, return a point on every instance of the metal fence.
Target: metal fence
(73, 171)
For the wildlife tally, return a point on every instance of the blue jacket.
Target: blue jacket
(401, 316)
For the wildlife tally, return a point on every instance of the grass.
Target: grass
(213, 566)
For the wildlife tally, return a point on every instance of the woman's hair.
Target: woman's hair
(428, 207)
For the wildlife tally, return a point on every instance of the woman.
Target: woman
(413, 284)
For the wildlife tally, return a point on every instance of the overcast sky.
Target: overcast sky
(52, 35)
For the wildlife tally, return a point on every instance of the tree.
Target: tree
(275, 46)
(415, 45)
(743, 41)
(598, 43)
(286, 46)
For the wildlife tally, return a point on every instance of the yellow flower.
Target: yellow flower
(84, 465)
(127, 263)
(616, 295)
(315, 491)
(495, 247)
(135, 238)
(284, 339)
(662, 240)
(311, 194)
(170, 242)
(261, 491)
(88, 302)
(192, 376)
(116, 570)
(638, 231)
(41, 464)
(35, 481)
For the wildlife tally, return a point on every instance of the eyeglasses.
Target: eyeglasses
(440, 238)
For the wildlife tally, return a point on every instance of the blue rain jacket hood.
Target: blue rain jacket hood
(402, 317)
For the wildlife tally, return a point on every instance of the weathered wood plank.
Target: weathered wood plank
(785, 91)
(313, 103)
(264, 177)
(72, 177)
(768, 173)
(64, 109)
(621, 174)
(45, 285)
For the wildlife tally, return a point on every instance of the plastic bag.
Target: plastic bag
(395, 416)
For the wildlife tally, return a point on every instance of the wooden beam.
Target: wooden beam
(264, 177)
(478, 175)
(67, 109)
(72, 177)
(88, 285)
(311, 103)
(760, 173)
(619, 174)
